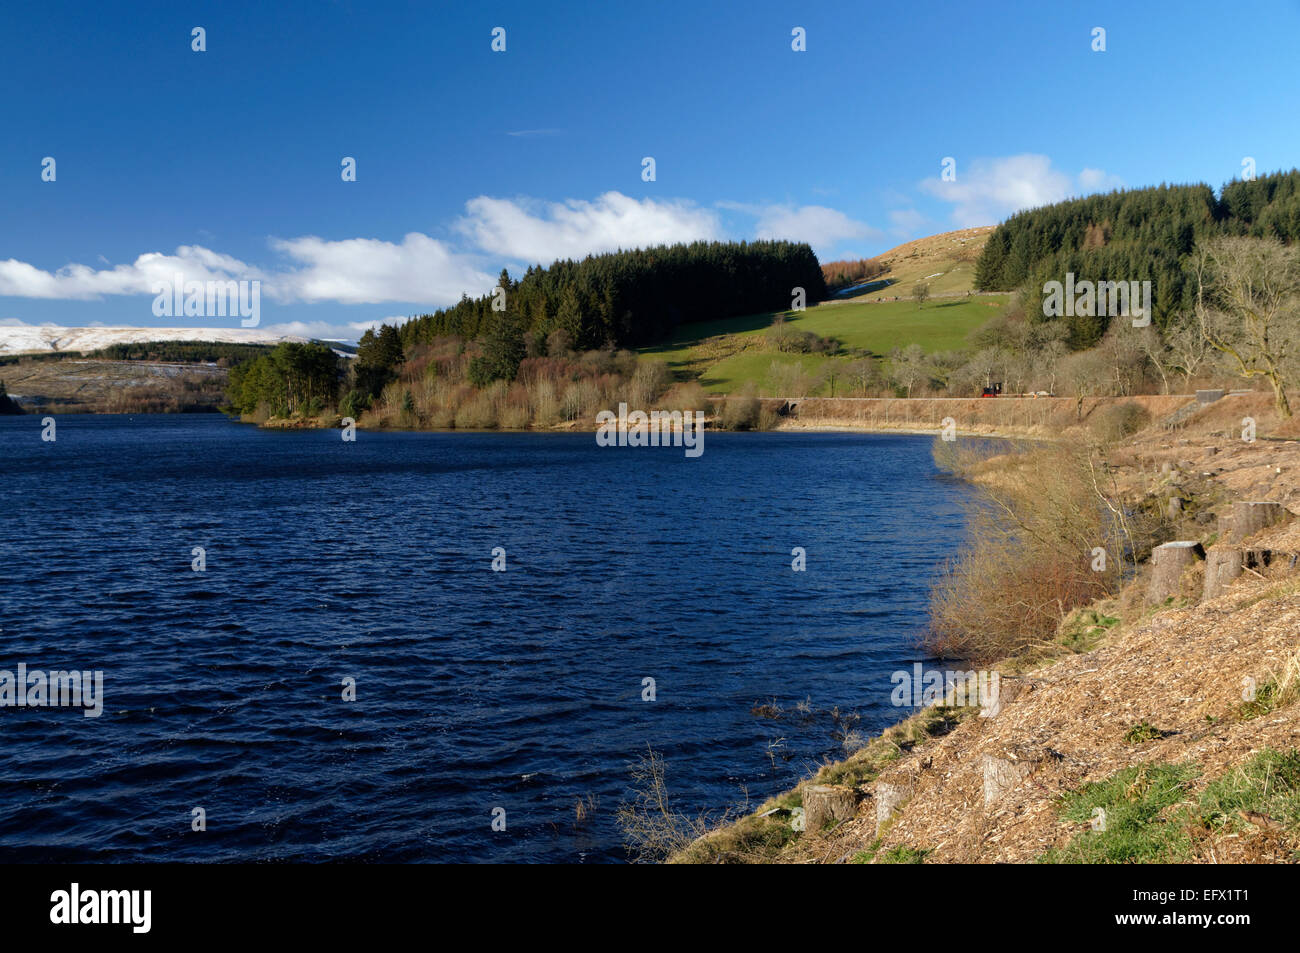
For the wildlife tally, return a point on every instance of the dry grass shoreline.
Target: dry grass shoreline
(1011, 417)
(1139, 709)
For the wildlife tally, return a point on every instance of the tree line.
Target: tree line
(1148, 234)
(631, 298)
(291, 380)
(182, 352)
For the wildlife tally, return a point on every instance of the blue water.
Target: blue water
(475, 689)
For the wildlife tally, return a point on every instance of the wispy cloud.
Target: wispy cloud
(1095, 180)
(907, 222)
(988, 190)
(819, 226)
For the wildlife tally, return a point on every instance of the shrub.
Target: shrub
(1032, 527)
(482, 410)
(515, 412)
(688, 396)
(781, 337)
(546, 405)
(649, 380)
(1114, 422)
(742, 412)
(790, 379)
(653, 829)
(841, 274)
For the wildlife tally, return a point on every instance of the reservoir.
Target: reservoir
(476, 694)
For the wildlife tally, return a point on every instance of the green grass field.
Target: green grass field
(723, 355)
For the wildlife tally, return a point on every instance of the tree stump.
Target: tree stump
(1222, 565)
(1001, 775)
(1247, 518)
(823, 803)
(889, 797)
(1168, 562)
(1009, 688)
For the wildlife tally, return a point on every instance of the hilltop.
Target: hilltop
(946, 262)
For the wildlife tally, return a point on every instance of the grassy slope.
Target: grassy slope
(723, 355)
(945, 262)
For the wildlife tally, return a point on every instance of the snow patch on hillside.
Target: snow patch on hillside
(33, 339)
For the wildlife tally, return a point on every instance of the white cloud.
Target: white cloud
(817, 225)
(353, 271)
(81, 282)
(907, 221)
(541, 232)
(368, 271)
(324, 330)
(1095, 180)
(989, 190)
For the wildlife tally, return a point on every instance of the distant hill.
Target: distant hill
(74, 385)
(46, 339)
(126, 370)
(945, 262)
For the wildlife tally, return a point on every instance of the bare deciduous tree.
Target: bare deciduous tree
(863, 375)
(1087, 374)
(1188, 349)
(1247, 298)
(908, 367)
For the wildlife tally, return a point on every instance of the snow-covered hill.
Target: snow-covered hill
(29, 339)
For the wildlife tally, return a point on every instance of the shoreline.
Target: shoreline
(1012, 418)
(949, 785)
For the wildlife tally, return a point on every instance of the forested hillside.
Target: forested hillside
(1137, 235)
(629, 298)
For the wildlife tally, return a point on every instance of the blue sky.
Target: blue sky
(226, 163)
